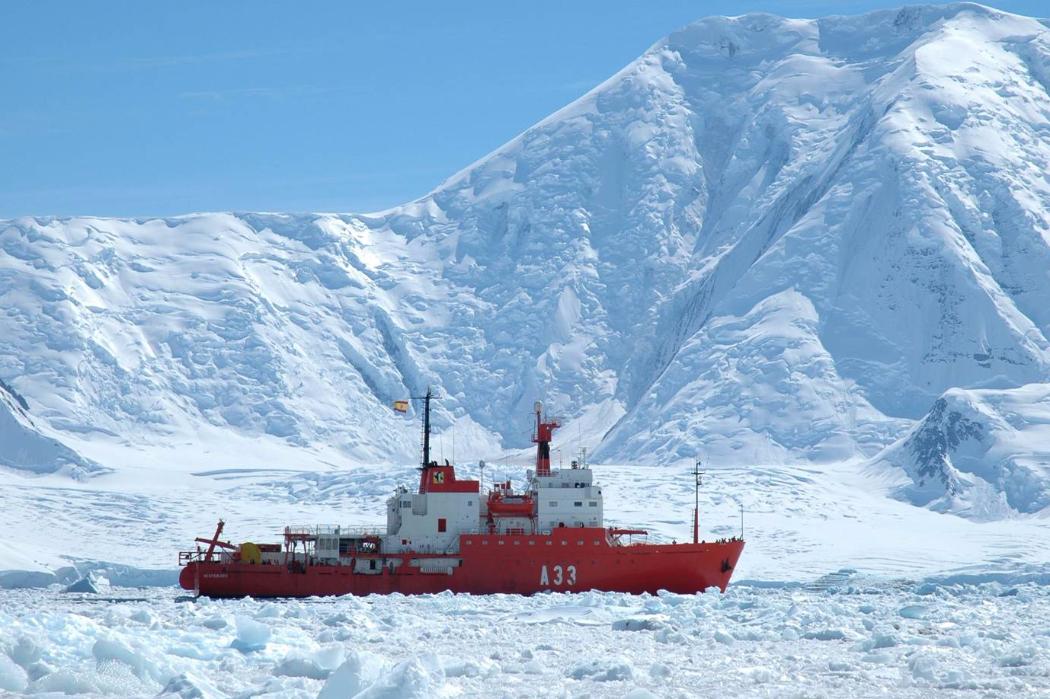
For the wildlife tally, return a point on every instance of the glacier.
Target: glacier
(785, 246)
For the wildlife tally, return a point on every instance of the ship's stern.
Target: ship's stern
(188, 577)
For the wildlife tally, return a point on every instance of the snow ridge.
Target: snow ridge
(980, 453)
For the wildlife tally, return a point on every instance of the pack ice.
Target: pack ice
(847, 637)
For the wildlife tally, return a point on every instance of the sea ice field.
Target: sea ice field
(842, 636)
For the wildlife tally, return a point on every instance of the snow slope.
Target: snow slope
(983, 453)
(25, 447)
(773, 242)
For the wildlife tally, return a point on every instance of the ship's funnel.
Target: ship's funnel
(542, 438)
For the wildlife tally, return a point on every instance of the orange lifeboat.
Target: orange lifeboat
(503, 502)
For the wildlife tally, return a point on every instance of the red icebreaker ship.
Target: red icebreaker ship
(447, 536)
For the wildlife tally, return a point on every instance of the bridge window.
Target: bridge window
(593, 503)
(577, 504)
(553, 503)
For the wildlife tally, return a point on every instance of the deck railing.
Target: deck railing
(218, 556)
(302, 532)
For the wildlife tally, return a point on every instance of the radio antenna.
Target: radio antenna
(698, 478)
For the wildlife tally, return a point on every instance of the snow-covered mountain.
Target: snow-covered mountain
(766, 240)
(983, 453)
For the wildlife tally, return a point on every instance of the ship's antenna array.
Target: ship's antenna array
(580, 442)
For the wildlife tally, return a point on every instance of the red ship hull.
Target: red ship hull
(571, 559)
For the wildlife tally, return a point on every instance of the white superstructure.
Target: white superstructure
(566, 498)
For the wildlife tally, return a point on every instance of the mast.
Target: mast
(426, 428)
(698, 476)
(425, 464)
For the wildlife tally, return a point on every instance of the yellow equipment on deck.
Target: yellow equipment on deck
(250, 553)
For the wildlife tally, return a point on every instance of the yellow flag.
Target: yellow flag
(401, 406)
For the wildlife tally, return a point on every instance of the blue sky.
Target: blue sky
(138, 109)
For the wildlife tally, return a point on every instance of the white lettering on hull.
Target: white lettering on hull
(562, 575)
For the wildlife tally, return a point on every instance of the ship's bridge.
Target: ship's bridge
(566, 498)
